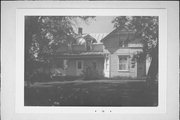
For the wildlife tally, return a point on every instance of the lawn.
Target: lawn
(84, 93)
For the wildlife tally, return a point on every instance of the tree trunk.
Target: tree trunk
(153, 69)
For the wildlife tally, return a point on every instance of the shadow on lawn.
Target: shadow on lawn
(92, 94)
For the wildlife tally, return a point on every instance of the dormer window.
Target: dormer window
(88, 46)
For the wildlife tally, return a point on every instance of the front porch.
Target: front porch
(88, 65)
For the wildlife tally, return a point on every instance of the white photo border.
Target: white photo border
(20, 13)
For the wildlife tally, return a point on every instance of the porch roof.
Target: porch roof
(82, 54)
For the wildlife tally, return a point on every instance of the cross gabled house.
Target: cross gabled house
(101, 55)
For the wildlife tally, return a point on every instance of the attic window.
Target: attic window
(121, 43)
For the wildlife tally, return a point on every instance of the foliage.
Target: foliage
(43, 34)
(47, 32)
(145, 27)
(90, 74)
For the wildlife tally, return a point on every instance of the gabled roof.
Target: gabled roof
(85, 37)
(121, 31)
(95, 37)
(98, 36)
(88, 37)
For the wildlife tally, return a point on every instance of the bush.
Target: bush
(123, 78)
(90, 74)
(40, 77)
(65, 78)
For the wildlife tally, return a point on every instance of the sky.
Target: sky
(100, 24)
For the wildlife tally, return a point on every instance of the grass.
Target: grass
(92, 94)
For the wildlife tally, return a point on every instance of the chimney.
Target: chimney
(80, 31)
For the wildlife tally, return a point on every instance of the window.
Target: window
(123, 63)
(88, 46)
(94, 65)
(121, 43)
(65, 64)
(79, 64)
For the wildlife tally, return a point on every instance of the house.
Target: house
(101, 55)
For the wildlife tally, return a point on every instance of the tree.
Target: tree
(47, 32)
(146, 28)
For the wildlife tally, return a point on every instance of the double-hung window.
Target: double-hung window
(79, 64)
(123, 63)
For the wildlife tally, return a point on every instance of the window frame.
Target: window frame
(65, 64)
(121, 43)
(77, 64)
(94, 64)
(127, 63)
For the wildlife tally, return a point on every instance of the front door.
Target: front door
(79, 67)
